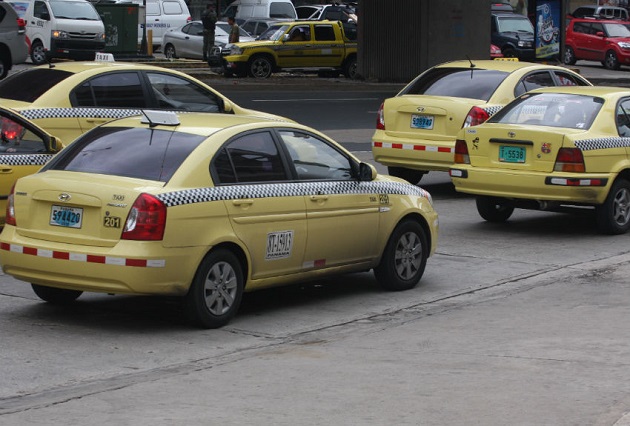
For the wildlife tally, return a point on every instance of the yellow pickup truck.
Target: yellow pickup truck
(320, 45)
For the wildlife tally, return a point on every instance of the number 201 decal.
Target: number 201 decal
(111, 222)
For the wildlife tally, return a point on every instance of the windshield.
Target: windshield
(551, 109)
(457, 82)
(515, 25)
(617, 30)
(274, 33)
(74, 10)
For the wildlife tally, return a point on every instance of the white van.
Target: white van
(61, 28)
(245, 9)
(163, 15)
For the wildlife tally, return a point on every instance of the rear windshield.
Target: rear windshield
(551, 109)
(142, 153)
(28, 85)
(468, 83)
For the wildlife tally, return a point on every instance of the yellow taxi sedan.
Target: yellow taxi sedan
(550, 149)
(416, 129)
(206, 207)
(71, 98)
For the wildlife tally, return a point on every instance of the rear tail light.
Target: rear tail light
(461, 152)
(10, 213)
(21, 25)
(475, 117)
(189, 19)
(146, 219)
(380, 119)
(569, 160)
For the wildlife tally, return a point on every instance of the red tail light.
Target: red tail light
(189, 19)
(569, 160)
(21, 25)
(10, 213)
(380, 119)
(146, 220)
(475, 117)
(461, 152)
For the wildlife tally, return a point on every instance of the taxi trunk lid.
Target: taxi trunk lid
(516, 147)
(436, 118)
(50, 207)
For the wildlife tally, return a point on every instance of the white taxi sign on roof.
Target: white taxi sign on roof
(104, 57)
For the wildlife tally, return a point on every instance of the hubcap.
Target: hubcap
(260, 68)
(220, 288)
(621, 207)
(408, 255)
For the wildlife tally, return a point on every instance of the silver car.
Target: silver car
(13, 47)
(187, 41)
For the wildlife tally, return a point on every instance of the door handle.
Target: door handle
(243, 202)
(319, 197)
(6, 170)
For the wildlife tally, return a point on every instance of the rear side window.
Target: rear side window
(29, 85)
(117, 90)
(132, 152)
(324, 33)
(533, 81)
(172, 8)
(457, 82)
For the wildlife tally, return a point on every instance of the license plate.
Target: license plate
(69, 217)
(422, 122)
(512, 154)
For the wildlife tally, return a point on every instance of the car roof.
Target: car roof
(599, 91)
(600, 20)
(78, 67)
(507, 66)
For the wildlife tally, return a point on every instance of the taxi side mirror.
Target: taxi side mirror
(367, 172)
(225, 105)
(55, 144)
(285, 38)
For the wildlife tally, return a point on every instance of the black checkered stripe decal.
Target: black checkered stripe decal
(25, 159)
(492, 110)
(233, 192)
(603, 143)
(39, 113)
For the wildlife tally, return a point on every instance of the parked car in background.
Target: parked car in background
(206, 208)
(598, 40)
(551, 149)
(495, 52)
(13, 44)
(514, 34)
(601, 12)
(246, 9)
(416, 129)
(187, 41)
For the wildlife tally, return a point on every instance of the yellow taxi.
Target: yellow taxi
(206, 207)
(550, 149)
(416, 129)
(70, 98)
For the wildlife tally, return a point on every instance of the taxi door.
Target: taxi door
(327, 47)
(265, 213)
(297, 50)
(342, 219)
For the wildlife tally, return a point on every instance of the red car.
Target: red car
(606, 41)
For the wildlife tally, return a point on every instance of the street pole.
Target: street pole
(143, 44)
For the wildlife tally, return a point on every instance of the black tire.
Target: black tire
(404, 258)
(569, 56)
(610, 61)
(350, 68)
(260, 66)
(494, 209)
(216, 291)
(56, 296)
(170, 52)
(508, 52)
(613, 217)
(38, 53)
(410, 175)
(5, 64)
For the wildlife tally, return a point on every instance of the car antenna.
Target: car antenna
(151, 123)
(471, 62)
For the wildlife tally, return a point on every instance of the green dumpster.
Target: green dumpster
(121, 27)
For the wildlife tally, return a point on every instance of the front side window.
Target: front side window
(174, 92)
(253, 157)
(17, 139)
(40, 11)
(314, 159)
(457, 82)
(142, 153)
(551, 109)
(114, 90)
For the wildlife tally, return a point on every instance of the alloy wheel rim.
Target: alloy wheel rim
(621, 207)
(408, 255)
(220, 288)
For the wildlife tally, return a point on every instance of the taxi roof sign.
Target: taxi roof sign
(104, 57)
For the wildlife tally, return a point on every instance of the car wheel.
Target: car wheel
(216, 291)
(57, 296)
(613, 217)
(410, 175)
(494, 209)
(5, 65)
(508, 52)
(350, 68)
(610, 61)
(404, 258)
(260, 67)
(38, 53)
(569, 56)
(169, 51)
